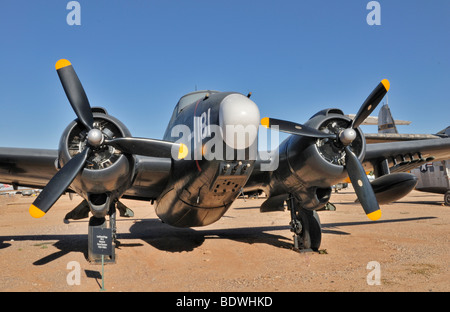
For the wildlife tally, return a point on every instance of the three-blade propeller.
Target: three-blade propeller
(95, 138)
(354, 167)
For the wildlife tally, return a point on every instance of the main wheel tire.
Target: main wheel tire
(447, 198)
(311, 235)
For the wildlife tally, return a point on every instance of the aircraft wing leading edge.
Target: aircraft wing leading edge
(34, 168)
(399, 154)
(27, 167)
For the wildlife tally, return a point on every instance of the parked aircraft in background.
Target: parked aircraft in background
(432, 176)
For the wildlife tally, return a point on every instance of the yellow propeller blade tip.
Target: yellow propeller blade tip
(62, 63)
(265, 122)
(183, 151)
(35, 212)
(375, 215)
(386, 84)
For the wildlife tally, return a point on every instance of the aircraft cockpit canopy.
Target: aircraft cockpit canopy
(184, 101)
(191, 98)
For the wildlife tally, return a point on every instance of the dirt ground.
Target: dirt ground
(245, 251)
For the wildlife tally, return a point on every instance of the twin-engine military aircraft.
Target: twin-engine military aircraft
(209, 156)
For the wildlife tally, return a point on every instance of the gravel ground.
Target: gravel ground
(246, 251)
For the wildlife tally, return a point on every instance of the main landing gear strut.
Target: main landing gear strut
(305, 225)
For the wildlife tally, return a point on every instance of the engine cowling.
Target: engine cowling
(107, 172)
(342, 149)
(309, 160)
(89, 161)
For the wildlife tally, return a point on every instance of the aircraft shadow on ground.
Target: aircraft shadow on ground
(412, 202)
(422, 202)
(65, 244)
(171, 239)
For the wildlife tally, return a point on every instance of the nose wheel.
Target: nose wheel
(305, 225)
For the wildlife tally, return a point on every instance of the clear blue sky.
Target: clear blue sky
(137, 58)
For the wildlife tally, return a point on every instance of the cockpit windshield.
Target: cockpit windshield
(191, 98)
(182, 103)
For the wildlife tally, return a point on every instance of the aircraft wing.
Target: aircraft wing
(151, 175)
(396, 137)
(27, 167)
(35, 168)
(406, 155)
(401, 157)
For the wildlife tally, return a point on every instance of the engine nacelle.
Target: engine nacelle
(108, 172)
(309, 160)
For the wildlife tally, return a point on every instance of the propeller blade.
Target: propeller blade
(75, 92)
(149, 147)
(362, 185)
(58, 185)
(294, 128)
(371, 103)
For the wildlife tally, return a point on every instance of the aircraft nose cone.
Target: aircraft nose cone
(239, 120)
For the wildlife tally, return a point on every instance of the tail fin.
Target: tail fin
(444, 132)
(386, 123)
